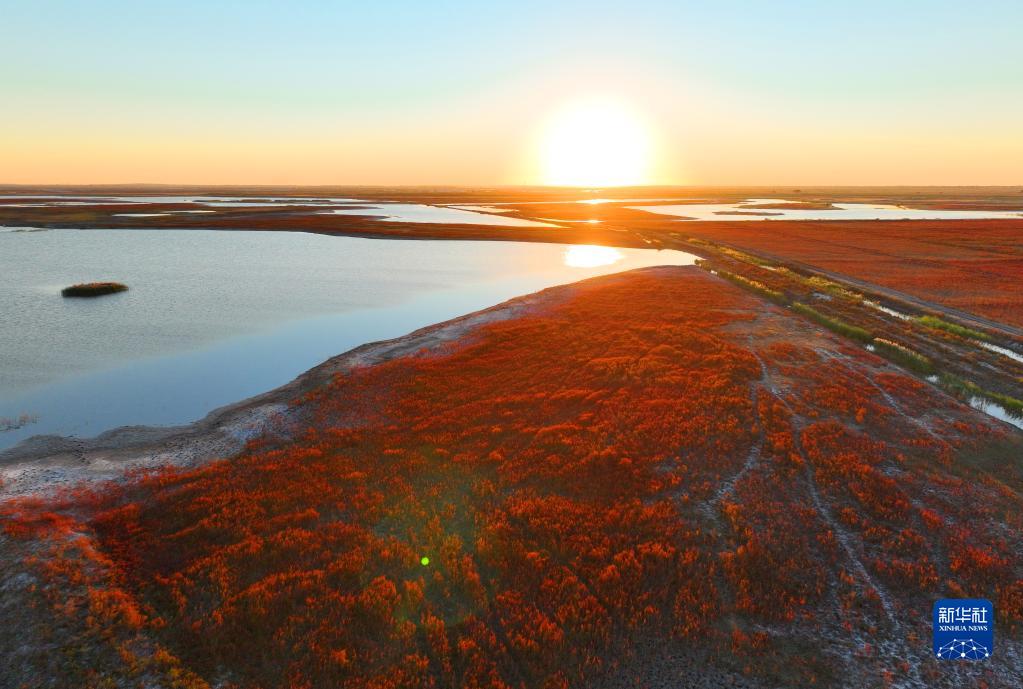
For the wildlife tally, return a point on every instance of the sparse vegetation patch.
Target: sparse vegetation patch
(93, 289)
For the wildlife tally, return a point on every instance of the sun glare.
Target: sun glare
(591, 256)
(597, 143)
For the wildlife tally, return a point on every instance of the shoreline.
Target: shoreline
(43, 464)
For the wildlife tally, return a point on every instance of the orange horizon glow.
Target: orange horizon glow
(639, 136)
(568, 139)
(698, 94)
(439, 155)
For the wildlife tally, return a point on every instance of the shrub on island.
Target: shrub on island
(93, 289)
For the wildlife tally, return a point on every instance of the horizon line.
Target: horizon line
(797, 187)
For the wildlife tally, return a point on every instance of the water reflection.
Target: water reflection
(996, 410)
(215, 317)
(422, 213)
(591, 256)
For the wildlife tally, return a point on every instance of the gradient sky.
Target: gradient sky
(894, 92)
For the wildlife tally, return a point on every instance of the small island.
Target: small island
(93, 289)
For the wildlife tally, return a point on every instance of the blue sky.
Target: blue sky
(454, 92)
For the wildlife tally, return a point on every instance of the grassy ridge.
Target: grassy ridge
(904, 356)
(833, 324)
(955, 329)
(970, 389)
(754, 286)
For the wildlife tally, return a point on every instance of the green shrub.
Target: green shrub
(967, 388)
(833, 324)
(955, 329)
(744, 257)
(904, 356)
(754, 286)
(825, 285)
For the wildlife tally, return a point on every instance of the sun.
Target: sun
(596, 143)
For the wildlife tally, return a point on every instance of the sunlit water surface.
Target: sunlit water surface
(422, 213)
(473, 214)
(214, 317)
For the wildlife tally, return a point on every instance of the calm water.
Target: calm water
(214, 317)
(482, 214)
(230, 201)
(392, 212)
(422, 213)
(842, 211)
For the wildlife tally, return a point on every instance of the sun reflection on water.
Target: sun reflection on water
(591, 256)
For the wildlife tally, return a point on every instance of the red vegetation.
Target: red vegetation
(650, 463)
(972, 265)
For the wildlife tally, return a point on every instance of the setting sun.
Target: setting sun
(597, 143)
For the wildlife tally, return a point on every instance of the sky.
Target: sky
(465, 92)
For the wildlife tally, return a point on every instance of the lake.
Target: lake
(212, 317)
(748, 210)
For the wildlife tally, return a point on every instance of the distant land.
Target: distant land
(757, 471)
